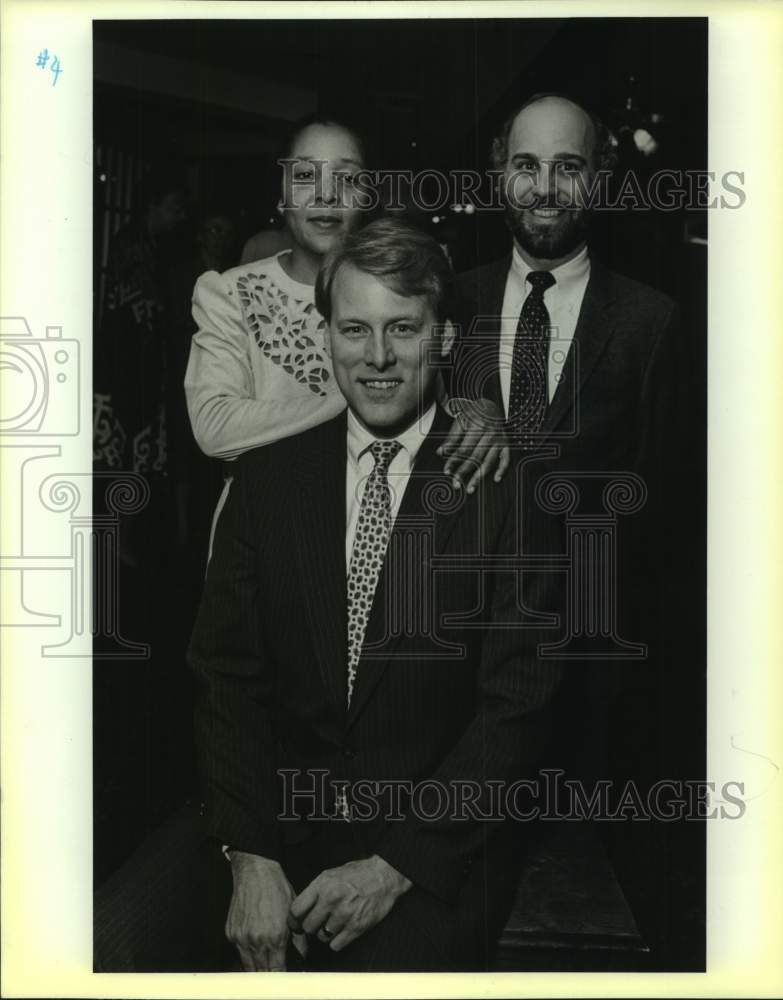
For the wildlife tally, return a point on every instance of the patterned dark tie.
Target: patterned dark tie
(529, 393)
(369, 547)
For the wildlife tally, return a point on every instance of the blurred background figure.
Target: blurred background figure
(264, 244)
(216, 240)
(134, 352)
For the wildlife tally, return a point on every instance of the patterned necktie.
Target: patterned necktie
(369, 547)
(529, 393)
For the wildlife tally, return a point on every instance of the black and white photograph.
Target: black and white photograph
(412, 373)
(390, 563)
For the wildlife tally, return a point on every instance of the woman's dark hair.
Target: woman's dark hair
(402, 256)
(321, 118)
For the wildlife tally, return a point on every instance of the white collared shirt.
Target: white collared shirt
(361, 463)
(563, 301)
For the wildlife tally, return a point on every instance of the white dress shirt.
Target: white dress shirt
(361, 463)
(563, 301)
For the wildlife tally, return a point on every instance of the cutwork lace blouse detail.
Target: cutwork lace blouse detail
(290, 333)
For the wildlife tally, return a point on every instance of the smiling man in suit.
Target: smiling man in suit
(595, 368)
(573, 352)
(360, 631)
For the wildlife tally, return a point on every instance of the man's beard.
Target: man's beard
(545, 240)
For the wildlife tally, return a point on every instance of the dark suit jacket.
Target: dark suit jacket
(622, 388)
(450, 700)
(624, 405)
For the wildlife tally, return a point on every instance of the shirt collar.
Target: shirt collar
(360, 439)
(567, 276)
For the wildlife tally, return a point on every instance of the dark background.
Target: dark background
(214, 98)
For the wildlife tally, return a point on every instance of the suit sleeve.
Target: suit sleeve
(503, 742)
(235, 685)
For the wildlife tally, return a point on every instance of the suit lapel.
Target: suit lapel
(415, 514)
(593, 330)
(318, 510)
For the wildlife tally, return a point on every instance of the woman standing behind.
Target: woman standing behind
(258, 370)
